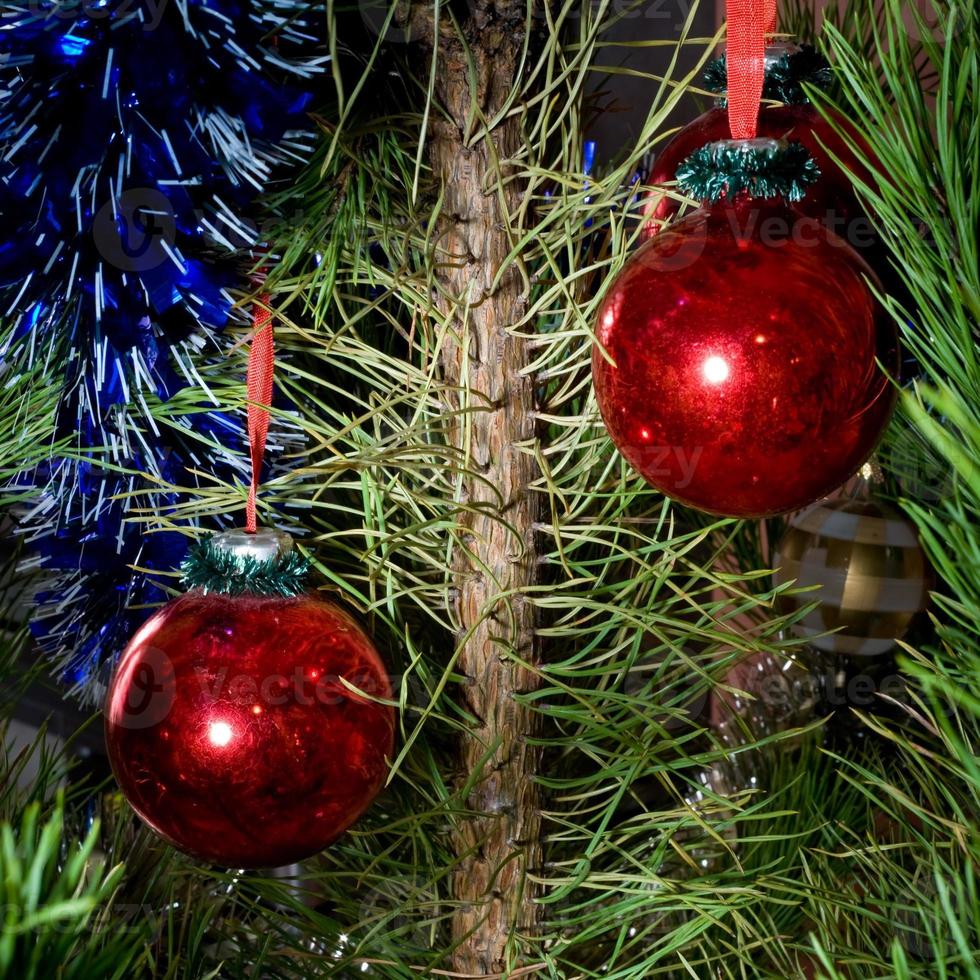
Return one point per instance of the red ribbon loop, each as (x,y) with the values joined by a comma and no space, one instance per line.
(746,57)
(771,16)
(261,368)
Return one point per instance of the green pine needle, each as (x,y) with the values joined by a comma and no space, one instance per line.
(729,168)
(786,78)
(215,570)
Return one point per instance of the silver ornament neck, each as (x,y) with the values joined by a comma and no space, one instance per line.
(780,49)
(756,144)
(266,544)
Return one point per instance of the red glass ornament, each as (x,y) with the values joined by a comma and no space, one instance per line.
(743,340)
(832,199)
(232,734)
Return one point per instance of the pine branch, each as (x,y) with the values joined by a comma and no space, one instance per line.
(50,902)
(627,620)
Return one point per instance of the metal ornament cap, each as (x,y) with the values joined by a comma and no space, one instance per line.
(237,562)
(776,50)
(265,544)
(757,144)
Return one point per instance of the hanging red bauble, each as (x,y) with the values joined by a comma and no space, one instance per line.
(243,728)
(831,199)
(741,375)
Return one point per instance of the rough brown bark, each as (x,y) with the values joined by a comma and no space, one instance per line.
(499,841)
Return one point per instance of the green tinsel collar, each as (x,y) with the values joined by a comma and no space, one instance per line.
(759,168)
(785,75)
(212,568)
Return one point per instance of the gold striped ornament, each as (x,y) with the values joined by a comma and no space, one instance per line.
(870,567)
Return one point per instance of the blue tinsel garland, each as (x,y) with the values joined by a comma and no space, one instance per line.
(135,136)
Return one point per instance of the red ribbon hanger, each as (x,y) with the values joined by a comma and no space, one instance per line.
(748,22)
(261,371)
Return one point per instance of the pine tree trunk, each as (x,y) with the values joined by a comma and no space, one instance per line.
(498,843)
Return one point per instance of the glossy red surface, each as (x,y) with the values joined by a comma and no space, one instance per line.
(831,199)
(232,735)
(744,341)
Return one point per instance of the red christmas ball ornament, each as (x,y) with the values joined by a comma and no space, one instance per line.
(736,359)
(831,198)
(243,728)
